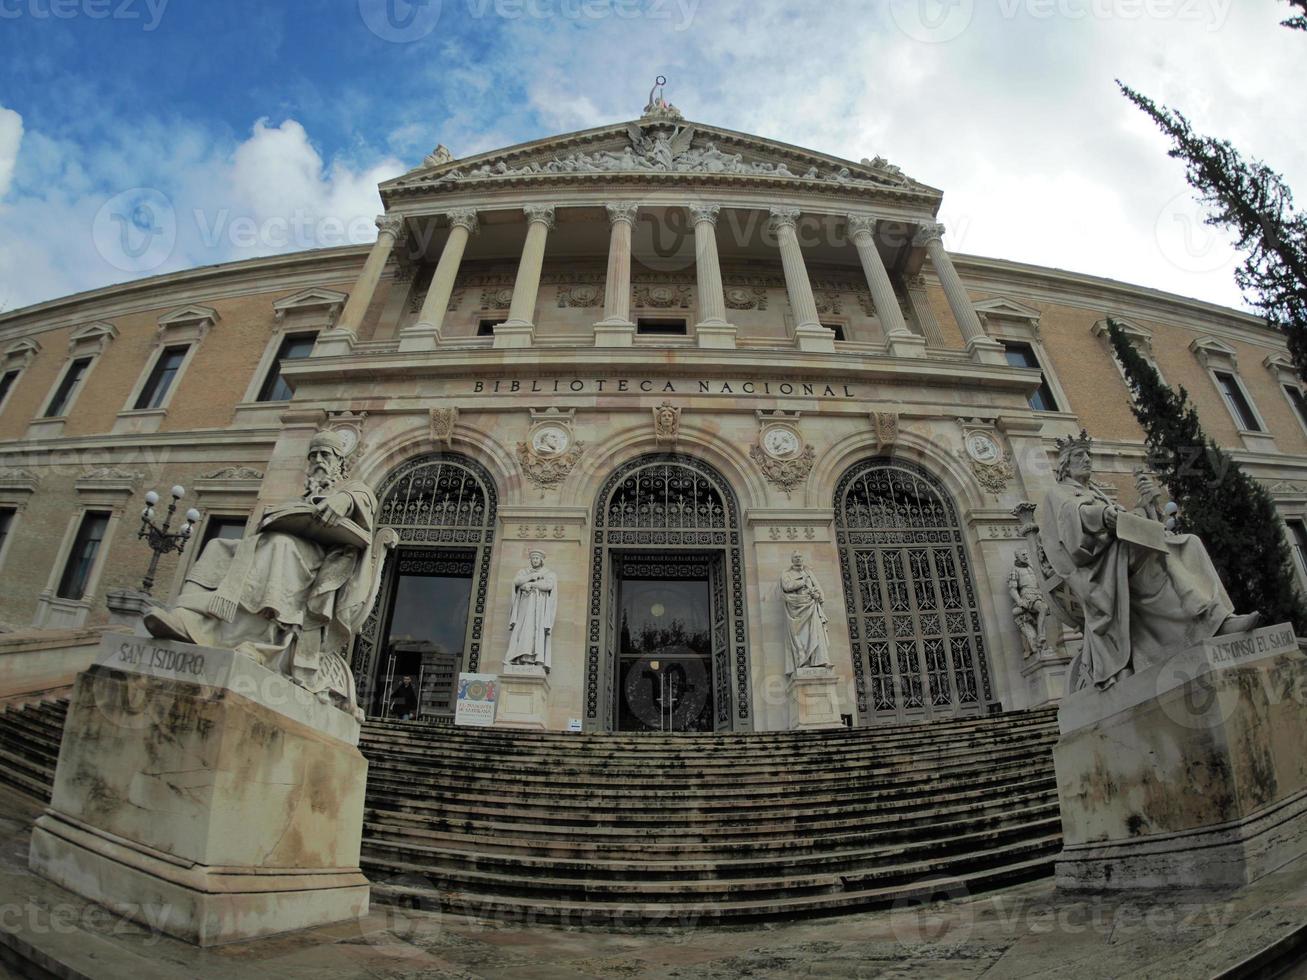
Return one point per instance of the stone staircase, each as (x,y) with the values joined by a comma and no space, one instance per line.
(29,746)
(679,830)
(706,829)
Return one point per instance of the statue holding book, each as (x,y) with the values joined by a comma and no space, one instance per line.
(292,594)
(1145,593)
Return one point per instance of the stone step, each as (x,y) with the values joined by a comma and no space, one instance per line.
(29,778)
(632,786)
(684,904)
(725,837)
(34,724)
(947,838)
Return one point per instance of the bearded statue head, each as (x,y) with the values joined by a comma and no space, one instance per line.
(326,463)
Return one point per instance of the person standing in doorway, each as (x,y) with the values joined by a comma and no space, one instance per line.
(404,699)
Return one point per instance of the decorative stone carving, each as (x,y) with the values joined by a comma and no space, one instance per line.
(235,473)
(1029,608)
(780,453)
(667,423)
(782,218)
(292,595)
(109,474)
(443,421)
(787,474)
(705,212)
(746,298)
(540,214)
(990,464)
(531,617)
(349,427)
(438,157)
(497,299)
(886,427)
(807,644)
(584,295)
(927,233)
(622,211)
(1140,594)
(551,449)
(463,218)
(390,224)
(662,297)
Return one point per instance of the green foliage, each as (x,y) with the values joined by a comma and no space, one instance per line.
(1298,23)
(1232,513)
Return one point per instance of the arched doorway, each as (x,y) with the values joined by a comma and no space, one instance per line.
(667,647)
(914,622)
(429,617)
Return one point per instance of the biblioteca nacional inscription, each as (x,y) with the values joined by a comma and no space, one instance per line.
(638,386)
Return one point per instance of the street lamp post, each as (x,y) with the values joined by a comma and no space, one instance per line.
(162,539)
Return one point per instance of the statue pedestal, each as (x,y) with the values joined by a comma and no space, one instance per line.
(523,698)
(813,694)
(205,796)
(1191,773)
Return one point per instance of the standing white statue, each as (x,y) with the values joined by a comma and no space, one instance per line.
(806,642)
(1147,594)
(531,620)
(1029,608)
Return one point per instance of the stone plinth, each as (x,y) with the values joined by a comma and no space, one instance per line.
(205,796)
(523,698)
(813,695)
(127,607)
(1192,773)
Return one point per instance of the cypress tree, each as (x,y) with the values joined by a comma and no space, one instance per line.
(1231,512)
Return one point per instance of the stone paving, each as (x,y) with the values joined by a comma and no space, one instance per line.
(1023,931)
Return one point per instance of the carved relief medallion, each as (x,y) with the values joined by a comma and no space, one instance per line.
(667,423)
(746,298)
(662,297)
(990,464)
(580,295)
(780,452)
(550,450)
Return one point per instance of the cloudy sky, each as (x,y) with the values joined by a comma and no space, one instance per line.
(245,127)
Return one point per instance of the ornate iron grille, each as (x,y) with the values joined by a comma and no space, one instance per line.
(914,623)
(434,501)
(668,501)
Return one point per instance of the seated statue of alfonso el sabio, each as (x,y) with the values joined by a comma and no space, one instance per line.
(1145,593)
(292,594)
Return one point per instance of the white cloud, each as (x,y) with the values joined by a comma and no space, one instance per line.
(11,138)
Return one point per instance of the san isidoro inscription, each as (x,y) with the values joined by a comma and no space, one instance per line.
(672,386)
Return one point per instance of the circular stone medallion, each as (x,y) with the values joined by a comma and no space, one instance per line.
(550,440)
(982,448)
(780,442)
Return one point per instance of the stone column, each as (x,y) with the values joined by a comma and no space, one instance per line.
(809,334)
(616,328)
(981,347)
(713,329)
(340,339)
(425,333)
(519,329)
(900,341)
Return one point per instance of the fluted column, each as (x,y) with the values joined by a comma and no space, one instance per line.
(899,340)
(340,338)
(809,334)
(982,347)
(712,330)
(616,328)
(519,329)
(425,333)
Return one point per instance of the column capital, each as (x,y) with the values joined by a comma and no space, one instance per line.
(540,214)
(390,224)
(783,217)
(463,218)
(622,211)
(704,212)
(862,226)
(927,233)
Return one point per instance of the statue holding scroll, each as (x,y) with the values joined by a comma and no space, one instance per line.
(806,641)
(1146,594)
(292,594)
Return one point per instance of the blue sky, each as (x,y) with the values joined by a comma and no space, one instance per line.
(260,127)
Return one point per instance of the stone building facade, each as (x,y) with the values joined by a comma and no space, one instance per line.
(666,355)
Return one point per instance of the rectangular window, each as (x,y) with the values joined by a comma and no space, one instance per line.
(293,347)
(1298,536)
(77,570)
(226,528)
(836,328)
(1296,398)
(1240,407)
(162,375)
(661,326)
(7,382)
(486,328)
(1023,356)
(63,395)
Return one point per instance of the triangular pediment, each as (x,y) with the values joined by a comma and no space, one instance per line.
(189,316)
(315,299)
(657,149)
(1002,308)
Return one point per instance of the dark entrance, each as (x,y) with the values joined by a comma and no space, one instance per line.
(665,642)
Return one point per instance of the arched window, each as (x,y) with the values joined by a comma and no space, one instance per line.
(914,622)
